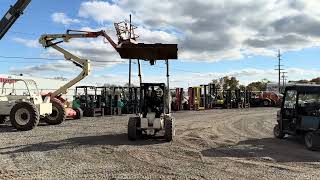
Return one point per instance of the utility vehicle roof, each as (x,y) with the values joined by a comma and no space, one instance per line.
(305,88)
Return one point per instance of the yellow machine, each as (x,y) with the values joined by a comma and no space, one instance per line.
(197,98)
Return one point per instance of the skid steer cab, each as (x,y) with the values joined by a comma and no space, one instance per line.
(153,116)
(300,115)
(21,102)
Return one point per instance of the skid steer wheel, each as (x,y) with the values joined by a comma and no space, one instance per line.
(169,130)
(3,119)
(277,132)
(133,132)
(79,114)
(310,141)
(24,116)
(58,114)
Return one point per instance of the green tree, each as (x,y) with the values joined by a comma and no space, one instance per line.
(316,80)
(242,87)
(227,83)
(258,86)
(303,81)
(217,83)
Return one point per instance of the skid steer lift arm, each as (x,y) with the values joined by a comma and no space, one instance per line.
(12,15)
(52,40)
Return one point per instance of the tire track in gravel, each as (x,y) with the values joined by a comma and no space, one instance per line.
(194,136)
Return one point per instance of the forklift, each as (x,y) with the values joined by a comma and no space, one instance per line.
(247,99)
(194,100)
(300,115)
(177,100)
(212,95)
(128,96)
(132,104)
(228,99)
(89,101)
(191,99)
(105,97)
(207,95)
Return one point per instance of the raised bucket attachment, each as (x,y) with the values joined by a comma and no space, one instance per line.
(148,52)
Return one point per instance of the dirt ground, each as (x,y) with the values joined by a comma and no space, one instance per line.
(215,144)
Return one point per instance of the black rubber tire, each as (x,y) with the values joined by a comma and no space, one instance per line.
(79,113)
(132,129)
(309,141)
(58,111)
(266,103)
(33,115)
(3,119)
(277,133)
(169,130)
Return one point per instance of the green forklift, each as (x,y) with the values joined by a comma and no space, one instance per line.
(86,98)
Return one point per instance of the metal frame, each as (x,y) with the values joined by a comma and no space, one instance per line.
(12,15)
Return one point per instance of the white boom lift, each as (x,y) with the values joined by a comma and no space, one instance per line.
(52,40)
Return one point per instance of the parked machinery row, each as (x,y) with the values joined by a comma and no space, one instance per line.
(208,97)
(99,101)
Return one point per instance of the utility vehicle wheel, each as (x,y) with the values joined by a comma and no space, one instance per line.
(169,130)
(58,114)
(79,113)
(266,103)
(24,116)
(132,128)
(309,140)
(3,119)
(277,132)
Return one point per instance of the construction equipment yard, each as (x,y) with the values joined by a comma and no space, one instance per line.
(188,92)
(212,144)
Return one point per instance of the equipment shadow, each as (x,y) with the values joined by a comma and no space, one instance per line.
(87,141)
(7,127)
(291,149)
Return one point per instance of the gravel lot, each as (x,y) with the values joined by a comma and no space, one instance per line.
(217,144)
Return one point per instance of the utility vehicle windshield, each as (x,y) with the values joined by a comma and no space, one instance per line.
(309,104)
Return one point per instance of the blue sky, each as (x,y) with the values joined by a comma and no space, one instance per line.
(210,58)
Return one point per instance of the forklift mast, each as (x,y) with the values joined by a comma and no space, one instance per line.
(12,15)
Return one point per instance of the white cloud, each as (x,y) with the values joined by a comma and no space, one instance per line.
(59,66)
(62,18)
(101,55)
(102,11)
(31,43)
(218,30)
(246,76)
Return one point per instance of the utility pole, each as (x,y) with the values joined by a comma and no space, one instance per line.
(279,70)
(130,61)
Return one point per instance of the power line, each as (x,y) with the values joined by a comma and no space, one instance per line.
(23,33)
(176,69)
(49,59)
(33,58)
